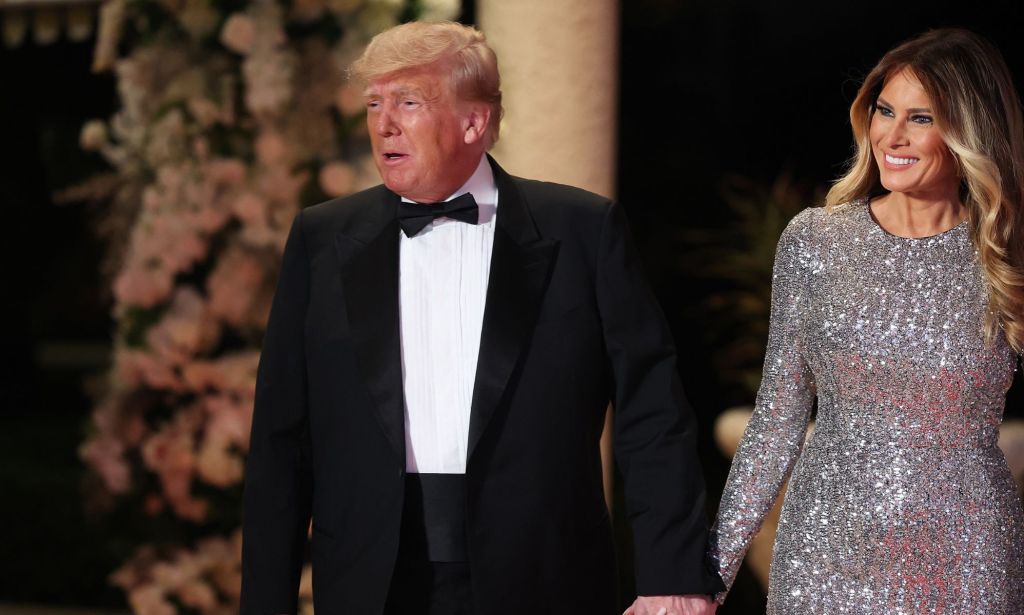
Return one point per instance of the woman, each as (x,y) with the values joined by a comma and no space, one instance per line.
(900,307)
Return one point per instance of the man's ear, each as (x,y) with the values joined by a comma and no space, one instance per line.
(475,123)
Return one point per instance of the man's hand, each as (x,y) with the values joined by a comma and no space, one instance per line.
(672,605)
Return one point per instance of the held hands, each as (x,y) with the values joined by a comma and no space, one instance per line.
(672,605)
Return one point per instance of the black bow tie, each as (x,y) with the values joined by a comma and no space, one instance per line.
(412,217)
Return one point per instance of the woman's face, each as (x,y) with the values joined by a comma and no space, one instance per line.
(907,144)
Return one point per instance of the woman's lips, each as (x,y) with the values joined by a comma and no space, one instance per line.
(899,163)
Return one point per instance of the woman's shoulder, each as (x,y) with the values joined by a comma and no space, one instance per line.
(819,222)
(811,234)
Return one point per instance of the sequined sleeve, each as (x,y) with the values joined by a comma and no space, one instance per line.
(773,438)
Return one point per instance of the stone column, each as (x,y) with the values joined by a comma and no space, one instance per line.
(559,68)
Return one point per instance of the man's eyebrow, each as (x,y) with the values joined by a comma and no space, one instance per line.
(409,91)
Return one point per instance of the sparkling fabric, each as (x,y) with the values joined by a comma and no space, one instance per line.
(900,501)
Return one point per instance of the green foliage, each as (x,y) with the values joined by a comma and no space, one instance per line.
(736,260)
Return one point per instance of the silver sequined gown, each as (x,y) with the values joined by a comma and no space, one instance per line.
(900,502)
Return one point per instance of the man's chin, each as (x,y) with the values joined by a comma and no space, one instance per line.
(394,184)
(409,190)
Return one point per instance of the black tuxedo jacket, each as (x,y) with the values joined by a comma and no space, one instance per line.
(569,324)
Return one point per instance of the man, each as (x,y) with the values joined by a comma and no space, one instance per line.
(435,372)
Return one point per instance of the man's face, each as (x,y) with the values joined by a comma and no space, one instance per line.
(426,143)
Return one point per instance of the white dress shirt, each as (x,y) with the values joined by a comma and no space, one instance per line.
(443,273)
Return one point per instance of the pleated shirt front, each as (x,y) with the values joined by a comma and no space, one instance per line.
(444,270)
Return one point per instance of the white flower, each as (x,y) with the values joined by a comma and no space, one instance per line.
(239,33)
(93,136)
(198,18)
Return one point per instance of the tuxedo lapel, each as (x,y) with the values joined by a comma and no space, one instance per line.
(369,256)
(521,264)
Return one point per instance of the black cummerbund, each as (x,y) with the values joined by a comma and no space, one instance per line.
(434,517)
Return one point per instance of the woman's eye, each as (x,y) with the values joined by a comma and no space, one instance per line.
(921,119)
(885,111)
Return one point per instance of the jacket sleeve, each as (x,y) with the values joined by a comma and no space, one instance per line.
(654,429)
(774,437)
(278,483)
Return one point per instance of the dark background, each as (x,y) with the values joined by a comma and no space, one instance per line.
(709,89)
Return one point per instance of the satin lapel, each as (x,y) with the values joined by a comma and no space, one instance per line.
(370,273)
(521,264)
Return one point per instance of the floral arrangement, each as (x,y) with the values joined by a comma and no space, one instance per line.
(233,115)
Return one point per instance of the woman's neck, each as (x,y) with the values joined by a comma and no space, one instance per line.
(909,215)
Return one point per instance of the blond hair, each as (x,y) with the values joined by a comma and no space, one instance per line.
(979,114)
(462,51)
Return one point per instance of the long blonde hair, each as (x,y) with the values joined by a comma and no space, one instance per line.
(979,113)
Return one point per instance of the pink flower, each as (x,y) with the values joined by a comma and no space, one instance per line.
(127,576)
(150,600)
(167,139)
(136,367)
(191,509)
(251,209)
(133,429)
(198,595)
(185,329)
(233,373)
(229,580)
(214,552)
(184,249)
(225,171)
(226,430)
(239,33)
(281,186)
(217,466)
(230,419)
(270,148)
(169,453)
(168,576)
(232,287)
(151,200)
(144,288)
(106,415)
(349,100)
(268,79)
(106,455)
(201,375)
(201,148)
(169,178)
(337,178)
(205,111)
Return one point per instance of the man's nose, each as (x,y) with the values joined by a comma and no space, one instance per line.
(385,124)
